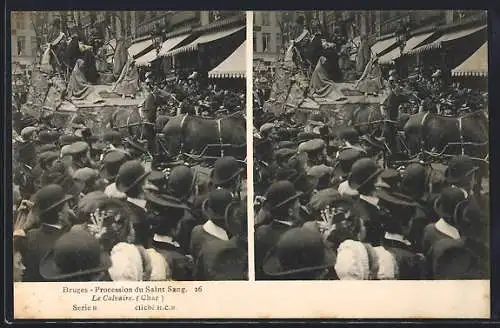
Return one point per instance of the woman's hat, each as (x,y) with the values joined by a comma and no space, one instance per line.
(299,250)
(447,201)
(76,253)
(225,170)
(280,193)
(363,171)
(130,174)
(50,197)
(214,207)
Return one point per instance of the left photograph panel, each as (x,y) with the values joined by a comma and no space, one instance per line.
(129,145)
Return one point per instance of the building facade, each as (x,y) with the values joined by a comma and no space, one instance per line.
(268,38)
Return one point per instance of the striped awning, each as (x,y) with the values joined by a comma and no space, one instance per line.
(233,66)
(446,38)
(138,47)
(383,45)
(146,59)
(206,38)
(413,42)
(475,65)
(171,43)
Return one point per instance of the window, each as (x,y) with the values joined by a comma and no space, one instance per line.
(278,42)
(265,18)
(34,46)
(21,45)
(266,40)
(20,24)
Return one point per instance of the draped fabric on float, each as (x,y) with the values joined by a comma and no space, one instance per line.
(120,58)
(128,82)
(78,86)
(321,84)
(371,79)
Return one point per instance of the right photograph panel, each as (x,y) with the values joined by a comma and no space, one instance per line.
(371,145)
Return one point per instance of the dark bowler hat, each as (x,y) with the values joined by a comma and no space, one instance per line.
(75,254)
(390,176)
(312,145)
(363,171)
(78,147)
(447,202)
(181,180)
(111,164)
(129,175)
(162,200)
(299,250)
(48,137)
(413,178)
(47,147)
(459,167)
(49,197)
(214,207)
(396,198)
(280,193)
(68,139)
(225,170)
(112,136)
(346,158)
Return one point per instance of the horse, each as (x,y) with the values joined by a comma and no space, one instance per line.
(466,135)
(191,134)
(368,120)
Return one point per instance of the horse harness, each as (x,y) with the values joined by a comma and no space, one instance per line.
(460,131)
(219,130)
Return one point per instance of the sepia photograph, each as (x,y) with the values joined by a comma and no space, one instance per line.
(371,145)
(129,146)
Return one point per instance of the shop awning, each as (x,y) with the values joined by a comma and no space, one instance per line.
(383,45)
(138,47)
(146,59)
(446,38)
(171,43)
(413,42)
(233,66)
(475,65)
(206,38)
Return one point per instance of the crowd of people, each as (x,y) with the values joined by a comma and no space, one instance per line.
(328,206)
(89,206)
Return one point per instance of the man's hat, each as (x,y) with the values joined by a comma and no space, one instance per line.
(285,153)
(130,174)
(319,171)
(266,127)
(287,144)
(312,145)
(75,254)
(363,171)
(162,200)
(28,131)
(47,156)
(447,202)
(111,164)
(85,174)
(280,193)
(307,136)
(78,147)
(225,170)
(214,207)
(390,176)
(181,180)
(345,159)
(324,197)
(348,133)
(47,147)
(413,178)
(459,167)
(112,136)
(286,174)
(49,197)
(299,250)
(396,198)
(48,137)
(67,139)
